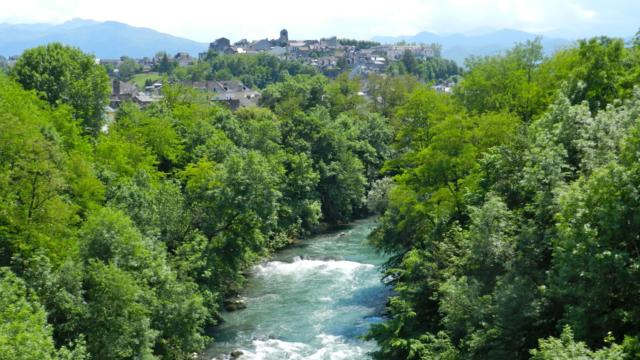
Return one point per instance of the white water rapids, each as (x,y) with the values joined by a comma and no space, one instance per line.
(313,301)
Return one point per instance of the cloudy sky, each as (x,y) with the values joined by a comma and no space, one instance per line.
(204,20)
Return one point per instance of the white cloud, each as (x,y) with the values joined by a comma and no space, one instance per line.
(206,20)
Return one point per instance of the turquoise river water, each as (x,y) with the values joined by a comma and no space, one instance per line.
(313,301)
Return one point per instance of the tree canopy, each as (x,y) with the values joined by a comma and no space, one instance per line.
(508,208)
(65,75)
(512,210)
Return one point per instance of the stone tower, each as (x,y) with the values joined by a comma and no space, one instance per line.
(284,37)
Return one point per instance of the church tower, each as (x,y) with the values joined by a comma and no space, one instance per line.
(284,37)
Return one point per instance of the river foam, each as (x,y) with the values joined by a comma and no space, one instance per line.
(302,267)
(329,348)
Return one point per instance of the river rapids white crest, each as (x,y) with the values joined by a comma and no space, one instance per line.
(313,301)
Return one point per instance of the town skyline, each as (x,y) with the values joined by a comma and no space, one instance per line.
(357,19)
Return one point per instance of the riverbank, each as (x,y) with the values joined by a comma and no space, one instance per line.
(313,300)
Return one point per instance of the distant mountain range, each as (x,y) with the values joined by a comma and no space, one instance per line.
(110,39)
(459,46)
(107,40)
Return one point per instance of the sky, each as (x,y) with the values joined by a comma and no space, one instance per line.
(204,20)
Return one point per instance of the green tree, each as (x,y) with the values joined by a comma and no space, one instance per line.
(593,253)
(566,347)
(127,68)
(594,78)
(118,321)
(65,75)
(165,65)
(409,61)
(4,65)
(24,332)
(513,82)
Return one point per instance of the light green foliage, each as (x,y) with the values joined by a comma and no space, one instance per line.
(513,82)
(131,237)
(24,332)
(378,196)
(566,348)
(118,158)
(64,75)
(299,93)
(414,120)
(39,167)
(595,78)
(597,214)
(389,92)
(342,95)
(152,131)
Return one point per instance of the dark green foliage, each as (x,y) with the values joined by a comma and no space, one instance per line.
(597,75)
(510,208)
(513,211)
(164,63)
(358,44)
(117,324)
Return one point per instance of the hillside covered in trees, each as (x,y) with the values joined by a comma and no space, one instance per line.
(122,244)
(509,208)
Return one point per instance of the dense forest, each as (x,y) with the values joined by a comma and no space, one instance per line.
(510,207)
(514,211)
(122,244)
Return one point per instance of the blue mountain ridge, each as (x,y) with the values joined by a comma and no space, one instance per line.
(108,39)
(460,46)
(111,39)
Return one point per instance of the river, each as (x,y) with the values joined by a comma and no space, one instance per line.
(313,300)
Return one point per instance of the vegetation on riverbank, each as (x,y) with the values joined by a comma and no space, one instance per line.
(122,244)
(513,214)
(510,207)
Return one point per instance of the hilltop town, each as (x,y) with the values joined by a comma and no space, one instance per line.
(330,56)
(325,54)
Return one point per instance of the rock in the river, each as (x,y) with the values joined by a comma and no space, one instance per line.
(236,354)
(234,304)
(217,319)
